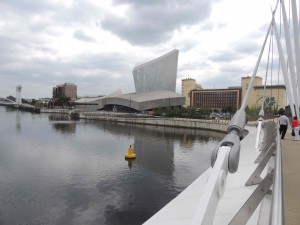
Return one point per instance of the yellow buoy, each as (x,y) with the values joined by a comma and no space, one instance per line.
(130,154)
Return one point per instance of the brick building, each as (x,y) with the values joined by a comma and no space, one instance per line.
(66,89)
(216,98)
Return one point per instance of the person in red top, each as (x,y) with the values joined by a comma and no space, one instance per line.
(295,126)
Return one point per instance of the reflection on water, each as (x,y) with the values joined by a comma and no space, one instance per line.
(130,162)
(18,121)
(62,123)
(58,171)
(65,128)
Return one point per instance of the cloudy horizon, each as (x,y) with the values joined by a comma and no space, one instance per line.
(96,44)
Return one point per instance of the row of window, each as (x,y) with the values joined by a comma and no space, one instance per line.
(215,99)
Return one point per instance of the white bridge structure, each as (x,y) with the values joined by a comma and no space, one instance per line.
(7,102)
(245,184)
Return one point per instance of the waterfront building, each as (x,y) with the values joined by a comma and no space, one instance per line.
(216,98)
(155,83)
(66,89)
(275,95)
(188,85)
(157,75)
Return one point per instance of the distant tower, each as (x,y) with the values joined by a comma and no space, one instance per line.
(18,95)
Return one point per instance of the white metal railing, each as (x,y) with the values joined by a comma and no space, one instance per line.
(214,190)
(277,209)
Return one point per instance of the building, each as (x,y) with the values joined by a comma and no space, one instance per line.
(188,85)
(232,97)
(155,84)
(275,95)
(216,98)
(157,75)
(67,89)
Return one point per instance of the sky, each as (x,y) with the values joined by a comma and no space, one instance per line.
(97,43)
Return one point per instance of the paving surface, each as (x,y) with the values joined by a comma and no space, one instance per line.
(291,179)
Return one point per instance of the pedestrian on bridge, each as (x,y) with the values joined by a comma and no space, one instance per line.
(295,126)
(283,123)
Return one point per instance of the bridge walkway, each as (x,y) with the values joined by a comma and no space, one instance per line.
(291,179)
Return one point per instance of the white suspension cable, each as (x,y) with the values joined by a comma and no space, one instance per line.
(284,69)
(297,50)
(290,58)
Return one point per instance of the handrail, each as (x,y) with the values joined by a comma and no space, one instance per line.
(277,210)
(213,191)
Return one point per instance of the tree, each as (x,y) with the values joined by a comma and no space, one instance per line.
(61,100)
(280,111)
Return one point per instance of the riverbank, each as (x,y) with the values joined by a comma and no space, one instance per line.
(158,121)
(220,125)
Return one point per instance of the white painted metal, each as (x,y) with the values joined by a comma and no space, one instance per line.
(277,217)
(297,48)
(284,69)
(181,210)
(290,58)
(213,191)
(259,125)
(245,101)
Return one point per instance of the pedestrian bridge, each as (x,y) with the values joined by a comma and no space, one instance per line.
(7,102)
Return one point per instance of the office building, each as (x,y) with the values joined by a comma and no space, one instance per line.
(216,98)
(67,89)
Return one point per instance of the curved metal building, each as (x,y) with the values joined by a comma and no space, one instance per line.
(155,84)
(158,74)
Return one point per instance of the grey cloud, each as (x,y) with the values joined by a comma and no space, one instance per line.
(41,16)
(93,73)
(232,71)
(155,22)
(82,36)
(185,45)
(27,7)
(194,66)
(225,56)
(222,80)
(80,12)
(209,26)
(247,47)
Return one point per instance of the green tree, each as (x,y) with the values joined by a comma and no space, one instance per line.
(280,111)
(61,100)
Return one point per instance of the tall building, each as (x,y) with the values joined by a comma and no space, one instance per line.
(157,75)
(188,85)
(66,89)
(216,98)
(275,95)
(155,84)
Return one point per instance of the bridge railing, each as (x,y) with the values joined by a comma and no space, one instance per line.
(215,186)
(277,209)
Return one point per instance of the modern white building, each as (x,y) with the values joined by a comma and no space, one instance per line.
(155,83)
(158,74)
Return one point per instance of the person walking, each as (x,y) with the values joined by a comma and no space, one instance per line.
(295,126)
(283,125)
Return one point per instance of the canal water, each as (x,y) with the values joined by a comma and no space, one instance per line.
(57,171)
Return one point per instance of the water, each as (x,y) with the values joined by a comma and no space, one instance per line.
(57,171)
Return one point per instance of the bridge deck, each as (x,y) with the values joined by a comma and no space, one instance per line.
(291,179)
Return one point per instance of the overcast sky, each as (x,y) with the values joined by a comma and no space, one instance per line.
(96,43)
